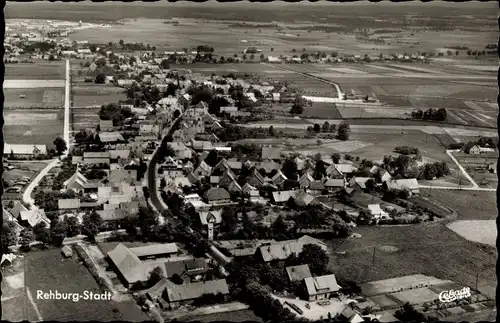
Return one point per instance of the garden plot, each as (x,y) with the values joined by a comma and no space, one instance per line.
(416,296)
(345,70)
(27,119)
(347,146)
(480,68)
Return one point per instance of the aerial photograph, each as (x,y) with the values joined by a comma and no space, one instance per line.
(262,162)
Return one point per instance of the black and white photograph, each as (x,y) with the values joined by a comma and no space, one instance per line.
(250,162)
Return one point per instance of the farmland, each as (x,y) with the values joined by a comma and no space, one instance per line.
(39,70)
(32,126)
(46,270)
(434,250)
(469,205)
(34,98)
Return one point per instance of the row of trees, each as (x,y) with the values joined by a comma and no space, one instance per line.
(343,129)
(430,114)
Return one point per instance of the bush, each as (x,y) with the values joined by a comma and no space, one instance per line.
(406,150)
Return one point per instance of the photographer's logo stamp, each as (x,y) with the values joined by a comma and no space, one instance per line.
(453,295)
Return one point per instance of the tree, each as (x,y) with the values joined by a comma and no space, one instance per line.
(228,220)
(155,275)
(315,257)
(147,219)
(262,57)
(272,49)
(298,105)
(336,158)
(319,170)
(409,314)
(370,185)
(317,128)
(26,238)
(42,233)
(441,114)
(9,235)
(344,131)
(73,227)
(91,225)
(58,231)
(271,131)
(212,158)
(290,168)
(252,56)
(202,94)
(164,64)
(325,127)
(121,42)
(100,78)
(60,145)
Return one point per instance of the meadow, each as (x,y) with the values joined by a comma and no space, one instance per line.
(46,270)
(430,249)
(34,98)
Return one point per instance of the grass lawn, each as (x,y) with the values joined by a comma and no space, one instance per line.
(29,169)
(321,110)
(18,309)
(429,249)
(469,205)
(33,127)
(47,270)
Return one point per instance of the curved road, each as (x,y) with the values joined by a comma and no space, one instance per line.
(55,162)
(151,172)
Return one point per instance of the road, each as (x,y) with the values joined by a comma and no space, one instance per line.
(339,91)
(67,93)
(55,162)
(151,173)
(31,186)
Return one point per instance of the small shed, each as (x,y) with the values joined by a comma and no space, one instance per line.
(67,252)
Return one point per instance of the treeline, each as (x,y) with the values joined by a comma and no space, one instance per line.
(430,114)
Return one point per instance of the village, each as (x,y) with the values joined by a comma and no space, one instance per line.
(179,206)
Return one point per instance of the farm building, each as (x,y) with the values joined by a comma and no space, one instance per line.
(24,150)
(129,268)
(298,273)
(409,184)
(478,150)
(164,250)
(377,212)
(281,250)
(187,269)
(77,182)
(34,217)
(177,295)
(321,287)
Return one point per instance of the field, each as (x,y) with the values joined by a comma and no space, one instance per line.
(469,205)
(236,316)
(34,98)
(481,231)
(433,250)
(40,70)
(32,126)
(46,270)
(95,94)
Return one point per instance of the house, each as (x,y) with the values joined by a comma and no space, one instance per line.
(334,184)
(76,183)
(177,295)
(187,269)
(33,217)
(153,251)
(24,151)
(68,204)
(410,184)
(109,137)
(304,199)
(67,252)
(202,170)
(213,216)
(359,182)
(321,287)
(377,212)
(280,197)
(305,180)
(268,165)
(279,178)
(298,273)
(116,154)
(346,169)
(478,150)
(316,188)
(281,250)
(271,153)
(217,195)
(349,315)
(333,172)
(234,187)
(127,265)
(17,209)
(181,151)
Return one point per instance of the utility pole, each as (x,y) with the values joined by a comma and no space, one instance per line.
(373,261)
